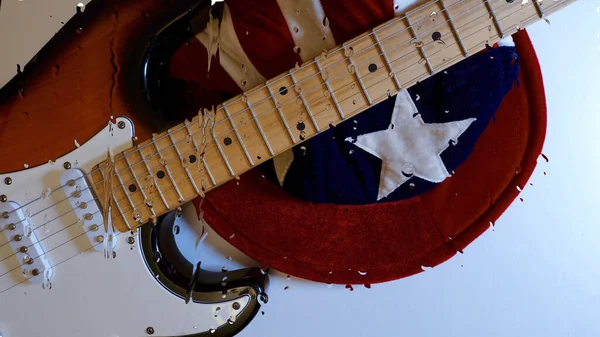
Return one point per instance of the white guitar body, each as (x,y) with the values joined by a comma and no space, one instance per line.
(85,294)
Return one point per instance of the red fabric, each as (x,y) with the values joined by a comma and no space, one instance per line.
(347,19)
(332,243)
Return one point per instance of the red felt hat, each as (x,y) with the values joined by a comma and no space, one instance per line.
(381,242)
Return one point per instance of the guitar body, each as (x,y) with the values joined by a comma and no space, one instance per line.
(82,96)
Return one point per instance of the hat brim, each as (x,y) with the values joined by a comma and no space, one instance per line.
(382,242)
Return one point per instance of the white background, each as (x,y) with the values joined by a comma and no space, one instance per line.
(536,274)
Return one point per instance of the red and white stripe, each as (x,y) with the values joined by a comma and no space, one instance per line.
(255,39)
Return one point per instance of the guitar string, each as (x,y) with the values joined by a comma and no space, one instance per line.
(47,221)
(135,206)
(42,240)
(54,265)
(528,19)
(230,130)
(374,31)
(285,102)
(321,98)
(285,115)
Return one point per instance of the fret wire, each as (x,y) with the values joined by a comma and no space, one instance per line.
(359,79)
(493,14)
(260,129)
(539,9)
(140,188)
(454,30)
(326,80)
(526,21)
(304,102)
(237,135)
(118,206)
(160,194)
(185,167)
(280,112)
(180,197)
(212,179)
(124,189)
(420,49)
(398,19)
(365,36)
(387,61)
(407,41)
(216,141)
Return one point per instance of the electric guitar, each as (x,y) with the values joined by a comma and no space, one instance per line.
(89,194)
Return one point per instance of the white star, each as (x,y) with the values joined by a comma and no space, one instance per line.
(410,145)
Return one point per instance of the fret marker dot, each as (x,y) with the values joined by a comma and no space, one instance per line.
(132,188)
(436,36)
(372,67)
(160,174)
(227,141)
(192,159)
(283,91)
(300,126)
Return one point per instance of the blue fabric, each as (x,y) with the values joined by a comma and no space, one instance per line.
(328,173)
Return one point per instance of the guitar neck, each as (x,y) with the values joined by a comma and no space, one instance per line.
(197,156)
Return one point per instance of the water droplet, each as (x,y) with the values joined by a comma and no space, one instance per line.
(231,320)
(408,170)
(350,68)
(27,230)
(212,330)
(217,311)
(229,258)
(46,193)
(326,93)
(195,327)
(545,157)
(25,258)
(296,29)
(137,215)
(417,98)
(348,51)
(349,286)
(411,186)
(363,273)
(244,98)
(325,22)
(297,50)
(330,285)
(298,100)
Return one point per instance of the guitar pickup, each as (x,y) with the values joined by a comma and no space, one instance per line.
(20,235)
(85,206)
